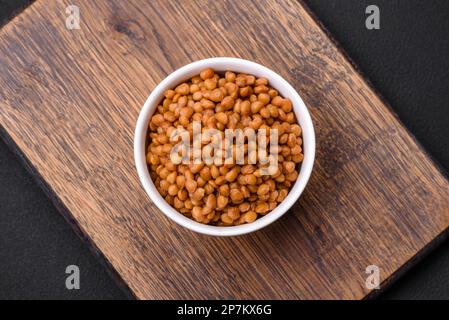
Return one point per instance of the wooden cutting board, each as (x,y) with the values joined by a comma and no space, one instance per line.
(70,99)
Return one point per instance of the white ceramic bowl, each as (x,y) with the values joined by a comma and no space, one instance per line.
(236,65)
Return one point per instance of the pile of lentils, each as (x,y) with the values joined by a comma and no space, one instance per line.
(226,194)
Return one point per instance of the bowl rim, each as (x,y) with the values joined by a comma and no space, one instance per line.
(223,64)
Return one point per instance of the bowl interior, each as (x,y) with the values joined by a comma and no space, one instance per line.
(221,65)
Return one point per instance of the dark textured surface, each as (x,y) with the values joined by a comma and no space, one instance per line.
(9,8)
(406,61)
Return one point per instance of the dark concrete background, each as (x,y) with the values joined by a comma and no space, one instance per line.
(406,60)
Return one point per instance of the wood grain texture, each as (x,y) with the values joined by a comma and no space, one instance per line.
(70,100)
